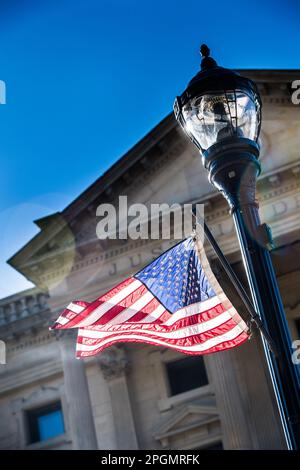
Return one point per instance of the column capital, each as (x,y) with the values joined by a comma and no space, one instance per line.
(113,362)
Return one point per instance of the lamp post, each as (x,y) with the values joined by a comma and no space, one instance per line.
(220,111)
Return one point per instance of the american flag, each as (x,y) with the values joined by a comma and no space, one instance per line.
(174,302)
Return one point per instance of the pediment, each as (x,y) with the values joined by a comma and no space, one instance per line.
(186,418)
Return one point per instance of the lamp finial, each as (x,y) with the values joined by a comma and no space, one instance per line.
(204,50)
(206,62)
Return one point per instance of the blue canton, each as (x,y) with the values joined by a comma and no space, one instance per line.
(176,278)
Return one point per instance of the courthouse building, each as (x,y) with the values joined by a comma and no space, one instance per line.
(137,396)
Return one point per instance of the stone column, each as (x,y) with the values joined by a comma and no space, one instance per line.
(77,397)
(248,411)
(234,422)
(244,395)
(114,366)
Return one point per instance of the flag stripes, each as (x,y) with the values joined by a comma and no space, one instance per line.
(134,312)
(227,340)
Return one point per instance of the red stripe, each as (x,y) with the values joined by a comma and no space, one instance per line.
(101,300)
(163,318)
(123,305)
(70,315)
(242,338)
(197,338)
(195,319)
(146,310)
(82,303)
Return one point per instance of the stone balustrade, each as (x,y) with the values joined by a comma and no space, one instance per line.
(22,305)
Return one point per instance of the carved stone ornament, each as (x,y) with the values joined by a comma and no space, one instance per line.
(113,362)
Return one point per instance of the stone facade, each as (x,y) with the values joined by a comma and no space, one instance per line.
(121,399)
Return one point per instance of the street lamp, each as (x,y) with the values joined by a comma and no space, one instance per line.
(220,111)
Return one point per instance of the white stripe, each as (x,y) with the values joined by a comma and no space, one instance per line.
(75,308)
(157,312)
(129,312)
(210,343)
(190,330)
(193,309)
(63,320)
(107,305)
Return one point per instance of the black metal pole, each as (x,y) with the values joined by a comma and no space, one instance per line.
(234,173)
(253,315)
(266,298)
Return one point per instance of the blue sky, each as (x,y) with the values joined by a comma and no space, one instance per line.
(86,79)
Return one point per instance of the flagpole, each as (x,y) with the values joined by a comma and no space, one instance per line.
(254,317)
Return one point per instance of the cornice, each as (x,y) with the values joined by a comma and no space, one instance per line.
(17,378)
(41,336)
(270,188)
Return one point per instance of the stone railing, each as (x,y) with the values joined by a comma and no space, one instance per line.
(22,305)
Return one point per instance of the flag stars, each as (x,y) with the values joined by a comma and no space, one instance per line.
(175,277)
